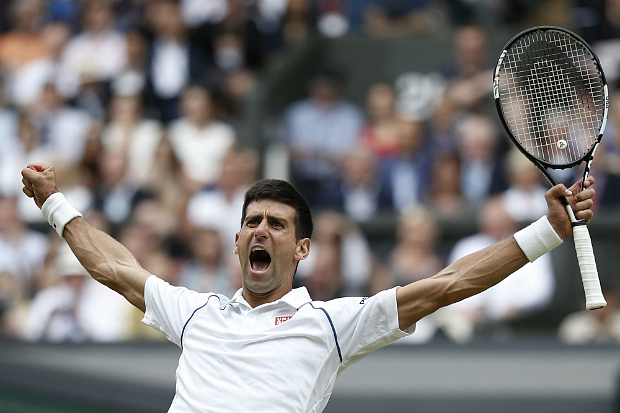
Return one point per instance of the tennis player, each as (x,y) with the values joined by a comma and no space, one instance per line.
(270,348)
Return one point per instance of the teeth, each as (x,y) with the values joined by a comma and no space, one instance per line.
(258,249)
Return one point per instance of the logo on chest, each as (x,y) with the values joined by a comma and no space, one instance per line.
(280,320)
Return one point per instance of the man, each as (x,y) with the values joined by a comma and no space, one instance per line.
(237,352)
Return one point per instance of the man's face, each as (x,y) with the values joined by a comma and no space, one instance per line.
(268,251)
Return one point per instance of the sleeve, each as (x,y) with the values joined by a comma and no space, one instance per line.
(363,325)
(168,308)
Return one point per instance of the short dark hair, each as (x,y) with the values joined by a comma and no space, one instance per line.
(282,191)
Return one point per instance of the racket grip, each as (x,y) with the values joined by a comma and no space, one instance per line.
(587,266)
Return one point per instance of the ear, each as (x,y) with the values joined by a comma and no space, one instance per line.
(303,249)
(236,249)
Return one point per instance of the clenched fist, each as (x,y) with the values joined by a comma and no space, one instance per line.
(39,181)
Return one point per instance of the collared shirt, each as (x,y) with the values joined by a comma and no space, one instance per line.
(283,356)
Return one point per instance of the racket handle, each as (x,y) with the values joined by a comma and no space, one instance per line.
(587,265)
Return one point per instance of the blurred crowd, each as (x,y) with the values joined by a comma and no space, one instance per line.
(138,103)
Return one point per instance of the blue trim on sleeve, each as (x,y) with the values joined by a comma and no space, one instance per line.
(190,317)
(331,324)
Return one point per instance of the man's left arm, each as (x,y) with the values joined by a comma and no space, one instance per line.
(483,269)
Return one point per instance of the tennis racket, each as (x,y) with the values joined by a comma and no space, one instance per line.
(551,96)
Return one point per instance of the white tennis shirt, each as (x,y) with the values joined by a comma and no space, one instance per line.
(282,356)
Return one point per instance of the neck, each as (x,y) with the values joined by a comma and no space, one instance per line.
(256,299)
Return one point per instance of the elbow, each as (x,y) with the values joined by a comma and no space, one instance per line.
(426,296)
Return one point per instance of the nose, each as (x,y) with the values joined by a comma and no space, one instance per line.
(261,230)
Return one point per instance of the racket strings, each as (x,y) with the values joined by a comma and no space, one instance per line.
(550,86)
(553,87)
(552,96)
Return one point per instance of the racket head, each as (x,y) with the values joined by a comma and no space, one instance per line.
(551,96)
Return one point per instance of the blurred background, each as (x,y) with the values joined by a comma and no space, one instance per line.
(160,114)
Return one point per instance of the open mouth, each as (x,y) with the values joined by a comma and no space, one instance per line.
(259,260)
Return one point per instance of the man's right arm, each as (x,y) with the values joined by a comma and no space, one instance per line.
(107,261)
(104,258)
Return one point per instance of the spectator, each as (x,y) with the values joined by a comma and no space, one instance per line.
(28,82)
(198,139)
(297,23)
(75,309)
(9,131)
(382,135)
(97,54)
(208,270)
(333,18)
(197,12)
(22,250)
(25,43)
(407,175)
(361,194)
(320,130)
(130,135)
(29,149)
(607,162)
(166,180)
(65,11)
(9,122)
(175,59)
(442,133)
(12,305)
(530,289)
(156,224)
(238,48)
(132,80)
(597,20)
(398,18)
(219,206)
(236,89)
(525,197)
(325,280)
(601,326)
(337,240)
(468,76)
(415,257)
(63,128)
(116,196)
(446,198)
(236,42)
(481,168)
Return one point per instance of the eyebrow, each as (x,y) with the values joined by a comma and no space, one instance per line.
(269,218)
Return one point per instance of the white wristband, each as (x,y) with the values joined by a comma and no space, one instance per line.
(58,212)
(537,239)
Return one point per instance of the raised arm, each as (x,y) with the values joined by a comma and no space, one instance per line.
(483,269)
(104,258)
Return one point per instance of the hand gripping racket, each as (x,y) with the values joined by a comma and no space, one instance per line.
(551,96)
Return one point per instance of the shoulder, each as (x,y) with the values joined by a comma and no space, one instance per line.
(334,304)
(158,290)
(348,305)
